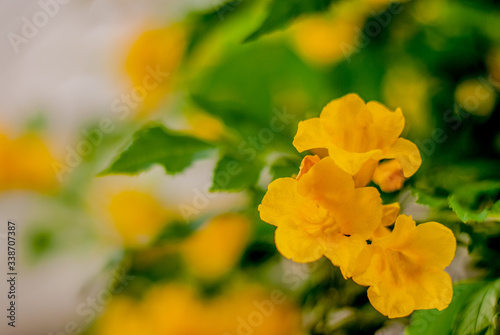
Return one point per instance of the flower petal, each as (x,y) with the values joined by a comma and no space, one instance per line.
(326,183)
(343,251)
(387,125)
(361,214)
(296,244)
(351,162)
(406,152)
(310,135)
(280,201)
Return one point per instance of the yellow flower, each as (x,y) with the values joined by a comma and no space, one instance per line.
(204,125)
(325,40)
(358,136)
(322,213)
(124,316)
(214,249)
(405,269)
(137,216)
(153,61)
(389,176)
(26,164)
(476,97)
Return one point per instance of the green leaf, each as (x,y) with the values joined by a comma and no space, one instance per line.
(285,167)
(478,314)
(432,200)
(475,201)
(434,322)
(282,13)
(233,114)
(154,144)
(234,173)
(472,311)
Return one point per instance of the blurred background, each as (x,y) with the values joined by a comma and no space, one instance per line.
(110,246)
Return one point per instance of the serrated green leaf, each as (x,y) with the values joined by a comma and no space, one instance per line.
(431,200)
(234,173)
(464,213)
(475,201)
(282,13)
(285,167)
(154,144)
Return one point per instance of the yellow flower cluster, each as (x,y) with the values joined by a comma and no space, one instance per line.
(328,210)
(175,309)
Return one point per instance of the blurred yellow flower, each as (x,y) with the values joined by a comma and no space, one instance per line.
(321,214)
(153,61)
(124,316)
(326,40)
(137,216)
(213,250)
(26,164)
(476,97)
(405,269)
(176,309)
(408,86)
(358,136)
(205,126)
(389,176)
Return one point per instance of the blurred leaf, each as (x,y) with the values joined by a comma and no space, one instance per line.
(233,114)
(476,201)
(285,167)
(235,173)
(174,232)
(154,144)
(282,13)
(204,23)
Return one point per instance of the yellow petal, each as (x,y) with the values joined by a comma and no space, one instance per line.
(280,201)
(310,135)
(296,244)
(343,251)
(391,301)
(351,162)
(361,214)
(306,164)
(326,183)
(407,154)
(365,173)
(387,125)
(390,213)
(346,122)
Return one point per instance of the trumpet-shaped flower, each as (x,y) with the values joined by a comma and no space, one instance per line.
(357,136)
(322,214)
(405,269)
